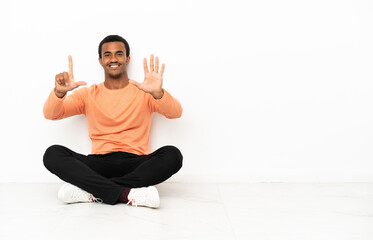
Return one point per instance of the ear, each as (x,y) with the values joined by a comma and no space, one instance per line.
(128,60)
(99,59)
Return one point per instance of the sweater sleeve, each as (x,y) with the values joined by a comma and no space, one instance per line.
(56,108)
(168,106)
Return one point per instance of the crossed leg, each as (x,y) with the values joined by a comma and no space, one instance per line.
(106,175)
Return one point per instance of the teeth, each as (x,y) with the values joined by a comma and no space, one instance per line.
(114,66)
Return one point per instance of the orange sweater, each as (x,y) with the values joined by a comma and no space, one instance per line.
(118,119)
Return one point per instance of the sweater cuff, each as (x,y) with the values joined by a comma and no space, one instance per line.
(57,98)
(163,99)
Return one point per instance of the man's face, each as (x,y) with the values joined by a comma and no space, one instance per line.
(114,60)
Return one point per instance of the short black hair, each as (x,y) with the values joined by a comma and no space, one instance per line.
(113,38)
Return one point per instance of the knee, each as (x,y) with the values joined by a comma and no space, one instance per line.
(50,156)
(175,156)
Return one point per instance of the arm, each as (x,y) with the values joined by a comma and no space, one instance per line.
(168,106)
(56,107)
(159,99)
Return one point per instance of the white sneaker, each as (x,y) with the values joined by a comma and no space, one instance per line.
(145,196)
(71,194)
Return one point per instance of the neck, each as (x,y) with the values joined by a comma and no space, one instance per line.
(116,82)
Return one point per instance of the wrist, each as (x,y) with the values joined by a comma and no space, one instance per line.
(158,95)
(59,94)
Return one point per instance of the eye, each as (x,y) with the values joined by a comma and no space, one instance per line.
(120,54)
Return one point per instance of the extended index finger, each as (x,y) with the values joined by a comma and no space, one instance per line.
(70,65)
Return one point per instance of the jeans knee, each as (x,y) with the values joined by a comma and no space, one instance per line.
(49,158)
(176,156)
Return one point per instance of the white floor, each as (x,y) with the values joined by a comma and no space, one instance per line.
(196,211)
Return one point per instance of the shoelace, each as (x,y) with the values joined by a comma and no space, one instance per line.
(131,202)
(94,199)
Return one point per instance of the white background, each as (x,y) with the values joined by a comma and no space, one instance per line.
(271,90)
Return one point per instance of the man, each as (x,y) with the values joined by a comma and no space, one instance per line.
(119,113)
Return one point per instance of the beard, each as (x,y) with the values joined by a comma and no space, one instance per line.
(115,75)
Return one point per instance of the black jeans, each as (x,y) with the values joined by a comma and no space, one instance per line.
(106,175)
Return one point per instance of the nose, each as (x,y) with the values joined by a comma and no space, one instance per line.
(113,58)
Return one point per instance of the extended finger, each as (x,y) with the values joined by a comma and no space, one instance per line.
(151,62)
(70,66)
(80,83)
(162,69)
(146,70)
(156,64)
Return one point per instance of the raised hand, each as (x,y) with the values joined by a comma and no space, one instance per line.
(65,81)
(153,78)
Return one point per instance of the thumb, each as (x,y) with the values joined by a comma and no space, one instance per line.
(134,83)
(80,83)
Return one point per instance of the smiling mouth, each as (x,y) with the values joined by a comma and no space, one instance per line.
(114,66)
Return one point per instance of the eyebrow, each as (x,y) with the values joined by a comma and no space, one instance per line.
(120,51)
